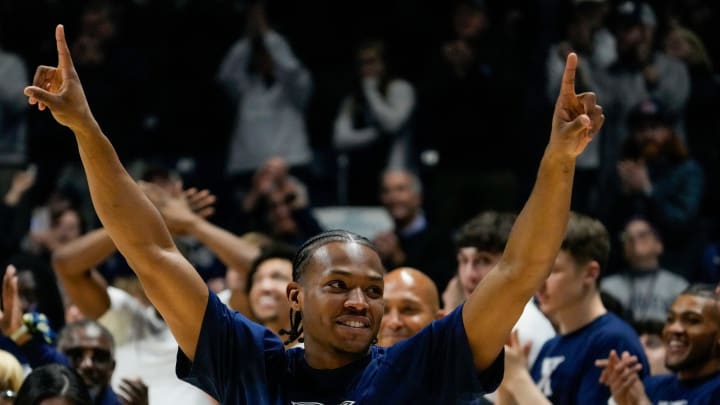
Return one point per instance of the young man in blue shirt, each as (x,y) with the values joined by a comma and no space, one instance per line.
(564,371)
(336,295)
(692,341)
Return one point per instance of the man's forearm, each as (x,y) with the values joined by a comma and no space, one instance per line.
(84,253)
(232,250)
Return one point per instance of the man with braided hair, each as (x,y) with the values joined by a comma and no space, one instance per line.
(337,286)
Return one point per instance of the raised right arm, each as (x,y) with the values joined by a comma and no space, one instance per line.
(133,223)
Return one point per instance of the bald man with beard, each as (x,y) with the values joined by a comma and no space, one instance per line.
(411,303)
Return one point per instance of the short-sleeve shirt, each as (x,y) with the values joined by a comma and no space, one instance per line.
(240,362)
(565,369)
(667,389)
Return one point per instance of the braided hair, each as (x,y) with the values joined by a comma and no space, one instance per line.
(301,258)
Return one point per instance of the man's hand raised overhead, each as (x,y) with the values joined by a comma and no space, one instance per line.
(59,88)
(577,117)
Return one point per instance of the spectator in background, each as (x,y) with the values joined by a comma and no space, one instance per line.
(374,126)
(658,179)
(13,118)
(271,88)
(56,383)
(479,246)
(278,205)
(691,340)
(85,346)
(414,241)
(641,72)
(263,298)
(411,303)
(564,372)
(587,35)
(701,120)
(644,289)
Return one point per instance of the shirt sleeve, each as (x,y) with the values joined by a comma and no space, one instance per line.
(231,356)
(439,361)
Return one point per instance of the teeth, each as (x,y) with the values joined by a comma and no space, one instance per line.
(353,324)
(266,300)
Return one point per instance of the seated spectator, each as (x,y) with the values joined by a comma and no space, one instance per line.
(411,303)
(564,371)
(414,241)
(53,384)
(645,289)
(691,342)
(374,126)
(658,179)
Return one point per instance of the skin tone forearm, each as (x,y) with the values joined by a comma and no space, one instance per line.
(74,263)
(131,220)
(539,229)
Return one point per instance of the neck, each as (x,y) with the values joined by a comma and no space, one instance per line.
(586,310)
(646,265)
(321,357)
(711,367)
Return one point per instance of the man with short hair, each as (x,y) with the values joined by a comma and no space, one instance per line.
(415,241)
(479,244)
(411,303)
(564,371)
(692,341)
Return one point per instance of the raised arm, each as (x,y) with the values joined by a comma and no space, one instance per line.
(133,223)
(74,263)
(539,229)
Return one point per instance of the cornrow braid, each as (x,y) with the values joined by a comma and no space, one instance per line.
(311,245)
(296,328)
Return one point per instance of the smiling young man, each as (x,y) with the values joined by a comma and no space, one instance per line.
(692,340)
(337,289)
(564,371)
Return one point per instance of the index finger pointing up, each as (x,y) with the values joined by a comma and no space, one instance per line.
(64,59)
(568,80)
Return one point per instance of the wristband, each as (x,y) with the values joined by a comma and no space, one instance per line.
(23,329)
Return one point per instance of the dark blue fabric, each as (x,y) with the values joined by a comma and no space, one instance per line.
(565,368)
(240,362)
(668,389)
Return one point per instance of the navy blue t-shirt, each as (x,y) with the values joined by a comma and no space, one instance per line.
(667,389)
(240,362)
(565,368)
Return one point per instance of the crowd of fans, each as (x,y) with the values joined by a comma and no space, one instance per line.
(241,118)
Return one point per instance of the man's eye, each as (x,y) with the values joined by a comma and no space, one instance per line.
(375,292)
(336,284)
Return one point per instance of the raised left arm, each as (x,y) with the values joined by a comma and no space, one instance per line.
(538,232)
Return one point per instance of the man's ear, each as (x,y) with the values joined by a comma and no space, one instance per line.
(592,271)
(294,295)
